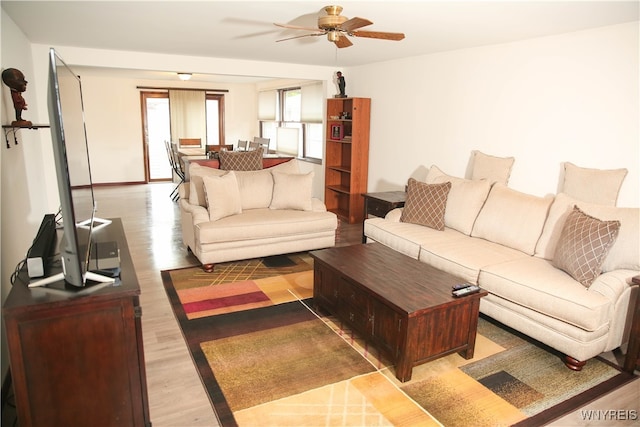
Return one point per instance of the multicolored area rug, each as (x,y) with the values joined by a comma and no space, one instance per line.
(267,358)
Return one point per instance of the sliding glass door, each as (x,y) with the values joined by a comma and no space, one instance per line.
(156,119)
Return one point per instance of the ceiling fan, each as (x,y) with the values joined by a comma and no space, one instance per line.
(337,27)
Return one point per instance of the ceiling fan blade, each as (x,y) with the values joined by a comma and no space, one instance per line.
(354,24)
(378,35)
(343,41)
(295,27)
(299,37)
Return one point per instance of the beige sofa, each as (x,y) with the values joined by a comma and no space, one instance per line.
(232,215)
(515,246)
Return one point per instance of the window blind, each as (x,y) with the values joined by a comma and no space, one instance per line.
(267,103)
(287,140)
(312,103)
(188,117)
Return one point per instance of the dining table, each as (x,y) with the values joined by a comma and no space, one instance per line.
(268,160)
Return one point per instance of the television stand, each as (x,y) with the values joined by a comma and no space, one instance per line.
(98,223)
(60,341)
(60,276)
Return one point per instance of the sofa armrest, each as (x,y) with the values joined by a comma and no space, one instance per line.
(198,213)
(618,287)
(183,190)
(394,215)
(318,205)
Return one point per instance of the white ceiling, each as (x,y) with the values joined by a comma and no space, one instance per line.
(245,30)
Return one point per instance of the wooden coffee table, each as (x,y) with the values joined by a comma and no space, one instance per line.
(400,305)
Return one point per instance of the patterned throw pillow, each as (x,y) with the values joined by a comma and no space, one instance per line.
(241,160)
(425,204)
(584,243)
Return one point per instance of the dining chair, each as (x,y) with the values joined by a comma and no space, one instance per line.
(243,145)
(176,166)
(190,142)
(262,142)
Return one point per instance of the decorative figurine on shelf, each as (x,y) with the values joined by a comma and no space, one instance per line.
(15,80)
(341,85)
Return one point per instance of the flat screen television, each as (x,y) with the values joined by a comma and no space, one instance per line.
(73,171)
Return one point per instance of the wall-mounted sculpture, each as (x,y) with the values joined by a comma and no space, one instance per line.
(14,78)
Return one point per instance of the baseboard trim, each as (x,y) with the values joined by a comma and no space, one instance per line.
(114,184)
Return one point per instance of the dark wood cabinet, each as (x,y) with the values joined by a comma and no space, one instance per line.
(347,156)
(380,204)
(77,355)
(353,303)
(325,283)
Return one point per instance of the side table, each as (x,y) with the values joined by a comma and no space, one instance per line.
(632,359)
(379,204)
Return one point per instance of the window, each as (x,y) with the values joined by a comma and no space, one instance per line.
(293,108)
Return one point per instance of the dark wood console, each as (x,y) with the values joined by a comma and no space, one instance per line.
(76,355)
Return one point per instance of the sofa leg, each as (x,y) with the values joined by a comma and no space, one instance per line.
(208,268)
(573,364)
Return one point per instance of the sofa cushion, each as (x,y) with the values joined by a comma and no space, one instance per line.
(255,224)
(426,204)
(512,218)
(625,252)
(464,256)
(403,237)
(583,245)
(465,199)
(241,160)
(599,186)
(562,336)
(223,197)
(536,284)
(292,191)
(256,188)
(290,166)
(251,197)
(491,168)
(196,185)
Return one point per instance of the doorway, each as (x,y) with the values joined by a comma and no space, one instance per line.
(156,131)
(156,120)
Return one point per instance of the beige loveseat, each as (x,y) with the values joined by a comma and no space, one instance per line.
(232,215)
(521,249)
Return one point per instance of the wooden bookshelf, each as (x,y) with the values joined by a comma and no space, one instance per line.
(347,156)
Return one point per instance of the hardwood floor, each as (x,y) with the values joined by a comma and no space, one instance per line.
(177,398)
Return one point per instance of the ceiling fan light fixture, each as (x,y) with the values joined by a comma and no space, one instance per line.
(184,76)
(338,27)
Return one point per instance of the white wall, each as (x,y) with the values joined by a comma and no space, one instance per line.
(112,103)
(114,123)
(544,101)
(23,200)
